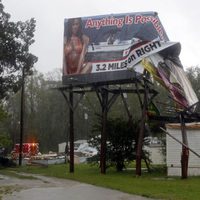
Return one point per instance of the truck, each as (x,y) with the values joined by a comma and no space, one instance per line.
(28,150)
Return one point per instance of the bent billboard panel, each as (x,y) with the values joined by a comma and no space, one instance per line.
(101,49)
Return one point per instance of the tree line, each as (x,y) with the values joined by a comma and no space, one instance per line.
(46,112)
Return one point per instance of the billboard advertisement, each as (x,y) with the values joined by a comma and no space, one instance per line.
(102,49)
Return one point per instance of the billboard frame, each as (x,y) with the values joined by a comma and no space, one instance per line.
(102,92)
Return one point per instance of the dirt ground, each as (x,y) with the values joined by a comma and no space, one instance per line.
(46,188)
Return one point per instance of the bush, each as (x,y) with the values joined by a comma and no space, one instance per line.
(121,142)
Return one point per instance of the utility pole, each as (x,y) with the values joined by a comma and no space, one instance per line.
(21,119)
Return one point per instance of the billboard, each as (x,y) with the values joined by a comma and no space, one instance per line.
(102,49)
(170,75)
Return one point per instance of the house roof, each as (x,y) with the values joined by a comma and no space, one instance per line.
(193,125)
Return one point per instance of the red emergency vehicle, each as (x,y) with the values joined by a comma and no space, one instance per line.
(28,150)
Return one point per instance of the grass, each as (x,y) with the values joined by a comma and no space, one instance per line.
(154,185)
(8,190)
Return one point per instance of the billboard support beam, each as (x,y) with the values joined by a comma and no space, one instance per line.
(72,109)
(71,133)
(185,150)
(104,94)
(141,132)
(106,103)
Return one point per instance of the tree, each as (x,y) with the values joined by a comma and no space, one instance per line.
(45,113)
(3,114)
(15,40)
(193,74)
(121,142)
(5,140)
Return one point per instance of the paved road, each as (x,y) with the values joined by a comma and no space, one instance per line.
(45,188)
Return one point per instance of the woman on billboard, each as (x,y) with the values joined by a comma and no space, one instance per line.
(75,49)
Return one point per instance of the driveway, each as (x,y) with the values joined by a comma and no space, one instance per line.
(46,188)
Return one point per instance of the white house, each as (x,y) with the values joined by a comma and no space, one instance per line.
(174,149)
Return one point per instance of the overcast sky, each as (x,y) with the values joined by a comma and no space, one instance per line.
(180,19)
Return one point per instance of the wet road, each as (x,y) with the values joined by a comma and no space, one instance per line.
(46,188)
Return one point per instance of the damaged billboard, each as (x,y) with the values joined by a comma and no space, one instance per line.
(117,48)
(96,48)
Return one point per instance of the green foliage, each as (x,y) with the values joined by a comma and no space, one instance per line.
(121,142)
(5,141)
(193,74)
(45,113)
(3,114)
(121,137)
(15,40)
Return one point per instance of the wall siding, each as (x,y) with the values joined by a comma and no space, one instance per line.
(174,150)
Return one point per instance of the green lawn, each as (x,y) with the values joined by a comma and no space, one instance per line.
(154,185)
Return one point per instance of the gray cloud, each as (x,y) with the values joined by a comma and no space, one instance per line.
(178,17)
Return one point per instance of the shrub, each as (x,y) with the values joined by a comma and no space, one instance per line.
(121,142)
